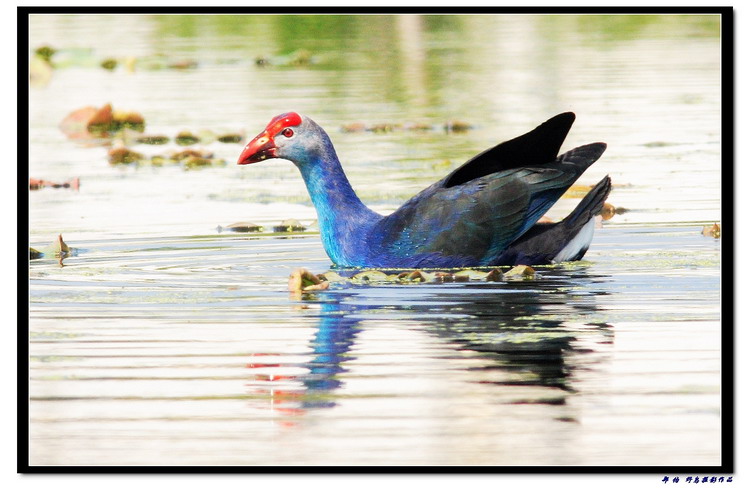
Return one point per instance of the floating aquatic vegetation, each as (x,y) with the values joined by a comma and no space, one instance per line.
(371,276)
(183,64)
(520,272)
(123,155)
(301,57)
(109,64)
(303,281)
(375,276)
(58,249)
(190,153)
(186,138)
(194,162)
(240,227)
(609,211)
(45,53)
(91,122)
(189,159)
(195,159)
(457,126)
(386,127)
(230,138)
(712,231)
(37,184)
(152,139)
(289,225)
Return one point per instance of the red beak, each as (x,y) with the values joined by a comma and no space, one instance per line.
(259,149)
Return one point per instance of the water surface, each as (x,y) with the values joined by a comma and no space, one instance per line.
(164,341)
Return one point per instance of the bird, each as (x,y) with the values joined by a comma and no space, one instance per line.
(484,213)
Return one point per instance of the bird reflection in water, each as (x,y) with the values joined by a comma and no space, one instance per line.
(535,333)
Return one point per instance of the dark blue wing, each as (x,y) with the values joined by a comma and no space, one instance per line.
(478,219)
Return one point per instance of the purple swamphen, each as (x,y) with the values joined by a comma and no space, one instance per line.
(484,213)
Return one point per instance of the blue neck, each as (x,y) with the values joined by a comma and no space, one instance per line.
(343,219)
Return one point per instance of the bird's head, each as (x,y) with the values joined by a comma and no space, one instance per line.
(288,136)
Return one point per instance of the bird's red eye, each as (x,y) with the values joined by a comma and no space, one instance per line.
(287,132)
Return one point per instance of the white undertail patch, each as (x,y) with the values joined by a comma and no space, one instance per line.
(581,241)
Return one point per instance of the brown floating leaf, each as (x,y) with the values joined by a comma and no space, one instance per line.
(60,246)
(712,231)
(303,281)
(101,121)
(183,64)
(608,211)
(494,275)
(75,124)
(416,275)
(37,184)
(457,126)
(520,271)
(443,277)
(91,122)
(123,155)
